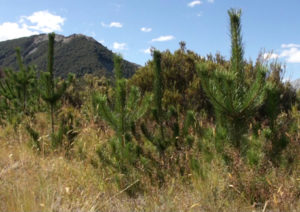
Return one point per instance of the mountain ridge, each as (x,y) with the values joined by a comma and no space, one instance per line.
(77,53)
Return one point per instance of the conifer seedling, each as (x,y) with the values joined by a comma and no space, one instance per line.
(234,100)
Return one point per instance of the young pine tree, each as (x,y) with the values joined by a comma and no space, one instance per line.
(234,100)
(128,107)
(52,91)
(123,151)
(168,132)
(18,88)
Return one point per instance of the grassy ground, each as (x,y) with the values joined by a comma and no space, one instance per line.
(75,181)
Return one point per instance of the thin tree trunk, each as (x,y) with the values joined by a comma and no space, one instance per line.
(52,118)
(24,103)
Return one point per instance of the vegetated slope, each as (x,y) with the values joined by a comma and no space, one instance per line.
(296,84)
(76,54)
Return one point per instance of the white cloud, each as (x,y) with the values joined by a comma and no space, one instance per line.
(145,29)
(163,38)
(112,24)
(194,3)
(147,51)
(119,46)
(288,52)
(292,55)
(270,56)
(210,1)
(115,24)
(10,30)
(44,21)
(38,22)
(290,45)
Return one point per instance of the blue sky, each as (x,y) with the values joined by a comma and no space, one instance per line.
(131,27)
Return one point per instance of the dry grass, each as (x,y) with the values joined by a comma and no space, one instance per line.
(70,181)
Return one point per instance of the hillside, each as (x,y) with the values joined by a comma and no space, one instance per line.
(76,54)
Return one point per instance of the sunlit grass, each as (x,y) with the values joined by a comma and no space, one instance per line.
(56,180)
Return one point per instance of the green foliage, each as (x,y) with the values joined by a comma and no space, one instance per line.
(255,153)
(156,138)
(67,131)
(172,133)
(234,100)
(18,90)
(276,138)
(182,86)
(158,94)
(73,94)
(279,96)
(127,109)
(51,93)
(279,100)
(122,152)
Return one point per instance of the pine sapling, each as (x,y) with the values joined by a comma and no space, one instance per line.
(126,109)
(18,88)
(170,131)
(51,92)
(234,100)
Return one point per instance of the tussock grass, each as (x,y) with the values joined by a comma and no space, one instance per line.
(56,180)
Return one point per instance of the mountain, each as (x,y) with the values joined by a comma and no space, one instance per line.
(296,84)
(77,53)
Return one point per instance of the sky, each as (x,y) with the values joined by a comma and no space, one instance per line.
(132,27)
